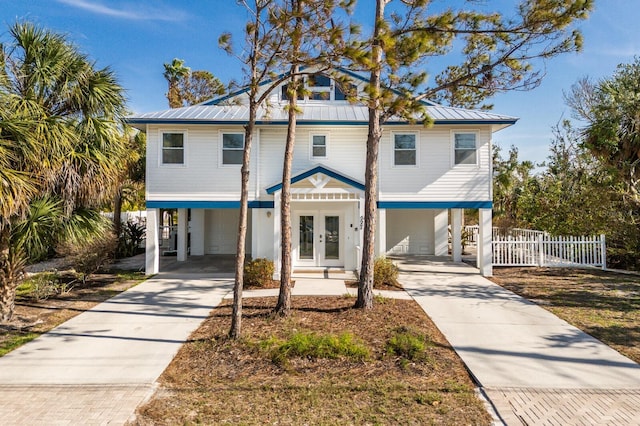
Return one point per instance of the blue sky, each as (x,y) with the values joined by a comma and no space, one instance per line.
(136,37)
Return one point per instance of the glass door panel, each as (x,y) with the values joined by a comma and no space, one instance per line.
(332,237)
(306,237)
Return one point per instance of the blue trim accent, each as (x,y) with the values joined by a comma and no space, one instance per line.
(318,169)
(435,204)
(256,204)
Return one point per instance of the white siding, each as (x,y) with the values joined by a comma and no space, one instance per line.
(346,152)
(221,231)
(202,177)
(263,233)
(410,231)
(434,178)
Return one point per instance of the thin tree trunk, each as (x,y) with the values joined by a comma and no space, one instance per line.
(7,284)
(236,318)
(284,298)
(365,286)
(117,212)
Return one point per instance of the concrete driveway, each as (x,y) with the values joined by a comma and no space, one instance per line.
(534,366)
(97,367)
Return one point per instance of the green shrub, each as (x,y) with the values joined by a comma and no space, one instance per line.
(407,344)
(88,256)
(312,345)
(384,272)
(258,272)
(40,286)
(130,239)
(43,285)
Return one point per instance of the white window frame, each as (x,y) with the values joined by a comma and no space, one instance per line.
(185,144)
(319,89)
(326,146)
(393,149)
(221,149)
(455,132)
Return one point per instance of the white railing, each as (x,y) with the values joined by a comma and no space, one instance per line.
(472,232)
(545,250)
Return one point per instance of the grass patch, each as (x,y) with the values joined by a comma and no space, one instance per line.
(15,341)
(407,344)
(603,304)
(313,346)
(326,379)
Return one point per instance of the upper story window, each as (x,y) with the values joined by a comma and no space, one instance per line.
(319,87)
(285,95)
(173,144)
(340,95)
(318,146)
(232,148)
(464,148)
(404,149)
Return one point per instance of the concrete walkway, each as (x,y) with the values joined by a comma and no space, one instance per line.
(535,368)
(99,366)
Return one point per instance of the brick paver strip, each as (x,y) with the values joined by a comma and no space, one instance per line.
(74,404)
(567,407)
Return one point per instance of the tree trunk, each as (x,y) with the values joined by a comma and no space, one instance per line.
(117,212)
(284,298)
(236,318)
(365,286)
(7,283)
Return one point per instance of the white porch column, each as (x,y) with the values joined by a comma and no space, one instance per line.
(485,254)
(276,235)
(359,225)
(381,235)
(152,249)
(255,232)
(182,235)
(197,232)
(456,235)
(441,233)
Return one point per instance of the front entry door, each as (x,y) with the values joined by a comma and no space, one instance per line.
(319,240)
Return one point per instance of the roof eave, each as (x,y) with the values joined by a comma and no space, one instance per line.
(140,123)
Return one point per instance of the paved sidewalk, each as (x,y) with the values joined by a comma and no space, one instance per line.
(535,368)
(97,367)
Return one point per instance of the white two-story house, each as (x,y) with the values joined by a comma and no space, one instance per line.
(427,176)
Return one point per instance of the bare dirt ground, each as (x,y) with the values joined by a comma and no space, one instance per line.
(214,380)
(603,304)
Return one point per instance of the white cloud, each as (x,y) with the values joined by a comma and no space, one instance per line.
(134,11)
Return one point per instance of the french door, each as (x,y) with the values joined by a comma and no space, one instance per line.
(319,239)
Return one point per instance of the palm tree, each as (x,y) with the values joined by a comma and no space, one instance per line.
(174,73)
(60,135)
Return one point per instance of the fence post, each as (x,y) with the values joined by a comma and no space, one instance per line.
(603,252)
(540,251)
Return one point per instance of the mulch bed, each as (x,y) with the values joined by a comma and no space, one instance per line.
(214,380)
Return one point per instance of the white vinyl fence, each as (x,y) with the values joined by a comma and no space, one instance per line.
(528,247)
(472,232)
(550,251)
